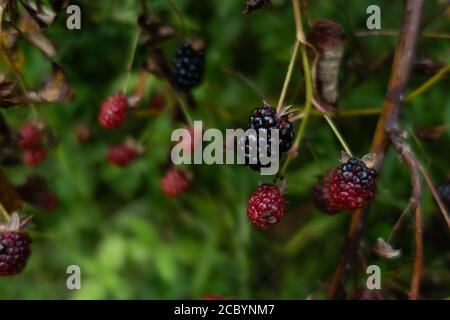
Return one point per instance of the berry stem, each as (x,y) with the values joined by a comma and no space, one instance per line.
(288,78)
(308,85)
(4,213)
(429,83)
(180,17)
(338,134)
(184,108)
(130,60)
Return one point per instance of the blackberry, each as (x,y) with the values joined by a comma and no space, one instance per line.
(30,135)
(266,206)
(352,184)
(113,111)
(266,118)
(122,155)
(444,193)
(189,67)
(174,182)
(34,157)
(321,196)
(15,247)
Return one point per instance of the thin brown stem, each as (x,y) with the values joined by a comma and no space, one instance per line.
(401,68)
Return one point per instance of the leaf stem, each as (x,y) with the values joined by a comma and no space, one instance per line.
(130,60)
(338,134)
(428,84)
(288,78)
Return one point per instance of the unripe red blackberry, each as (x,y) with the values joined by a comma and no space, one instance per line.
(34,156)
(174,182)
(321,196)
(352,184)
(113,111)
(189,66)
(266,118)
(30,135)
(266,206)
(123,155)
(444,193)
(15,247)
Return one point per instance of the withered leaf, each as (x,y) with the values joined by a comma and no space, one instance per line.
(44,17)
(56,88)
(385,250)
(155,29)
(32,31)
(251,5)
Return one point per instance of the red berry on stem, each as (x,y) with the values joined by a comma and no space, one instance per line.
(352,184)
(266,206)
(122,155)
(321,196)
(113,111)
(34,157)
(15,249)
(174,182)
(30,135)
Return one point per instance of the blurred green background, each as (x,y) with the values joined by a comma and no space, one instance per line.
(132,242)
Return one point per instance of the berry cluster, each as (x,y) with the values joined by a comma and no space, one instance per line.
(347,187)
(30,139)
(262,121)
(189,66)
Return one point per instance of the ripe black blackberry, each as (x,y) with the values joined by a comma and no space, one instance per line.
(444,193)
(266,118)
(189,66)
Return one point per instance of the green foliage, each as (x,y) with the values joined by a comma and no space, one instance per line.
(131,242)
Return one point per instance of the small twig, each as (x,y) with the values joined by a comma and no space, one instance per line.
(392,33)
(130,61)
(429,83)
(249,83)
(288,78)
(436,197)
(399,222)
(180,17)
(338,135)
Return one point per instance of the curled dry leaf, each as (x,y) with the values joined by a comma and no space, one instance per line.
(369,160)
(385,250)
(56,88)
(32,31)
(327,37)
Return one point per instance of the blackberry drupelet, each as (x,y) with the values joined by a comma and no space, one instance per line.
(189,67)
